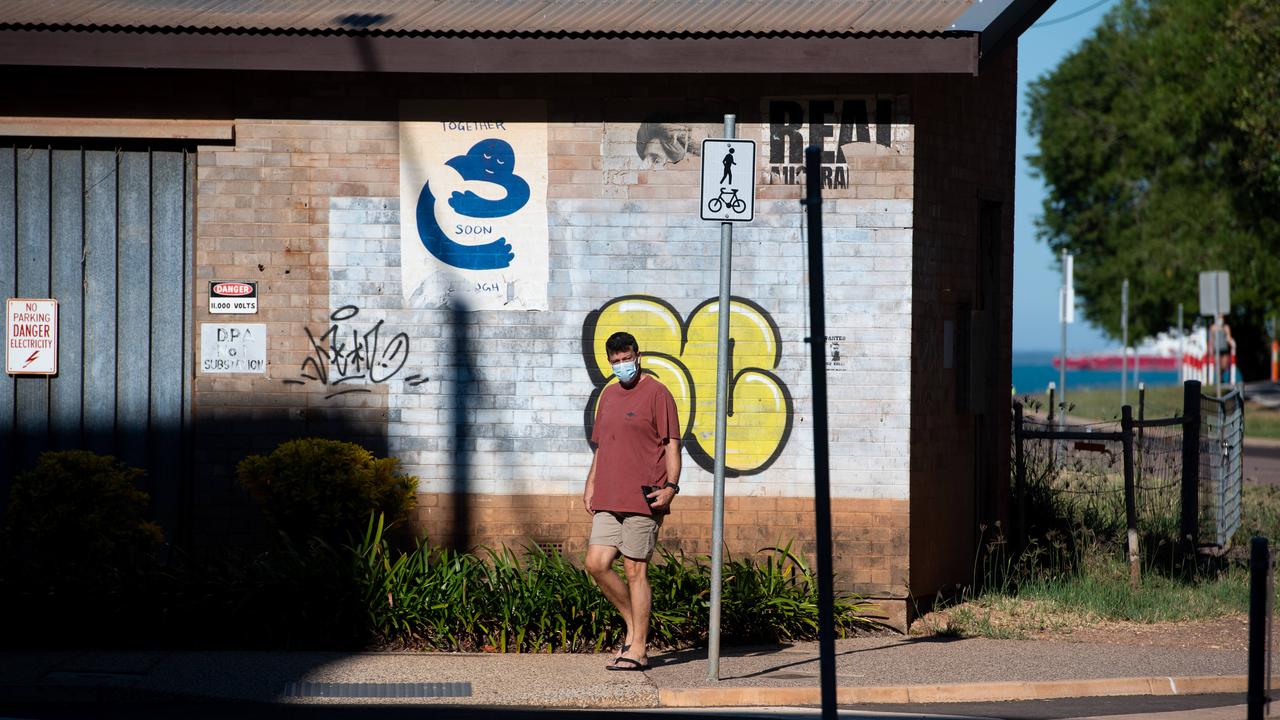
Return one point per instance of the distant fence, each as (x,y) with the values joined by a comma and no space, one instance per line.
(1178,477)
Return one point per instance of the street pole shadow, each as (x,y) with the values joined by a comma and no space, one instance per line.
(462,401)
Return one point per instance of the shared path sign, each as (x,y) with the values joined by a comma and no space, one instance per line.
(728,180)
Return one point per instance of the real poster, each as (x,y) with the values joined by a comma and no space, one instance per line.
(473,204)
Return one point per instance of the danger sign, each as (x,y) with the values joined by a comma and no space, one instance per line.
(31,337)
(233,298)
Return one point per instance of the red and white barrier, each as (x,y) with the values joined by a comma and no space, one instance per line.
(1200,367)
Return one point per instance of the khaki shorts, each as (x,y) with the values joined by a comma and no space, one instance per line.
(633,534)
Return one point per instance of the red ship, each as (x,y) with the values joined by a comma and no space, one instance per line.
(1115,361)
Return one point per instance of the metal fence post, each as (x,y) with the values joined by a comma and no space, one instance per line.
(1130,500)
(1189,528)
(1019,478)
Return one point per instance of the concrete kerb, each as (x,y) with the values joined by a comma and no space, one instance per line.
(695,698)
(961,692)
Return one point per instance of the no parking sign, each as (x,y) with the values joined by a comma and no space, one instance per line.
(31,336)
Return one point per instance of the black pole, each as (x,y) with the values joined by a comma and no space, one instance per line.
(1259,610)
(821,464)
(1019,478)
(1189,529)
(1130,496)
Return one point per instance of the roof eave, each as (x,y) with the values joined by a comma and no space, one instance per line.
(1010,24)
(949,53)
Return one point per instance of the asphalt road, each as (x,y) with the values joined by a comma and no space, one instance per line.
(1262,463)
(204,709)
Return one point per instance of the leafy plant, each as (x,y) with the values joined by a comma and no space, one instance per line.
(78,517)
(321,488)
(500,601)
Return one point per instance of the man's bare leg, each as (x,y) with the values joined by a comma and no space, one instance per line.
(600,564)
(641,602)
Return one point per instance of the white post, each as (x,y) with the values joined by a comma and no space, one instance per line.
(1124,340)
(1067,300)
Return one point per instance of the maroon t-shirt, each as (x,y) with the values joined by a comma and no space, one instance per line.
(629,433)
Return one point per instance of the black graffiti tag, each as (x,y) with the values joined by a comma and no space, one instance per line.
(335,360)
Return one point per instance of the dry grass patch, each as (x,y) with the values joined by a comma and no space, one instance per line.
(1004,617)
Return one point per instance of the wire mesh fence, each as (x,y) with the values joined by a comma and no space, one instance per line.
(1221,466)
(1082,478)
(1186,475)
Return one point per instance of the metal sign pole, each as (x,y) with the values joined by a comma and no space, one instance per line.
(1213,338)
(1182,349)
(722,407)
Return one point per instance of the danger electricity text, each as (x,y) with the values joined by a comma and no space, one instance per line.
(31,330)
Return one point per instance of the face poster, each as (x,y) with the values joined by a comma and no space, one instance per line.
(473,204)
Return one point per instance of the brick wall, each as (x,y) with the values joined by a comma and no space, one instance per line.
(497,434)
(263,214)
(959,472)
(306,202)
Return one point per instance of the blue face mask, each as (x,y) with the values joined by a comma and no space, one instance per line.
(626,371)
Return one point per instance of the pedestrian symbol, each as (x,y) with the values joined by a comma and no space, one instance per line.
(732,196)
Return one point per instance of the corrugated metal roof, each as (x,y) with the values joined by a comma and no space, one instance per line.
(496,17)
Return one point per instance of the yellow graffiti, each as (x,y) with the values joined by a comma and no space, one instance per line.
(683,356)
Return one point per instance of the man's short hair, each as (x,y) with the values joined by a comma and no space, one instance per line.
(621,342)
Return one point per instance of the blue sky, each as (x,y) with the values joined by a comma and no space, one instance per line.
(1036,277)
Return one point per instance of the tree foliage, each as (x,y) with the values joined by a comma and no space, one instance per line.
(1160,148)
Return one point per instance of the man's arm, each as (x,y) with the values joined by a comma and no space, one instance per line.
(665,493)
(590,489)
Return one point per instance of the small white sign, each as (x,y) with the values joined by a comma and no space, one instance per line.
(728,180)
(240,348)
(837,358)
(233,298)
(1215,293)
(31,336)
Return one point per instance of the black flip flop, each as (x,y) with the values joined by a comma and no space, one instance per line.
(634,666)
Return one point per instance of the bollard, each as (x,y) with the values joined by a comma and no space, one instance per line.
(1275,361)
(1260,585)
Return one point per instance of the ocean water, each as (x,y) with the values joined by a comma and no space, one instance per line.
(1033,371)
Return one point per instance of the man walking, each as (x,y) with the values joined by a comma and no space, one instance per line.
(728,162)
(633,477)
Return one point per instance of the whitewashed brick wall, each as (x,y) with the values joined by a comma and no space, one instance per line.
(619,229)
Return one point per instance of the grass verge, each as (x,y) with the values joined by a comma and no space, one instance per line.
(1040,595)
(1160,402)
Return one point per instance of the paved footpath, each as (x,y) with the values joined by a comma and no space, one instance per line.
(870,670)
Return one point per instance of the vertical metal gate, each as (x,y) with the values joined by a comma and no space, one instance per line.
(109,234)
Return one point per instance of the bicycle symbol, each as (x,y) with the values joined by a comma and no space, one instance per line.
(728,198)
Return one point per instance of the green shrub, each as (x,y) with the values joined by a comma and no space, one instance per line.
(79,518)
(326,489)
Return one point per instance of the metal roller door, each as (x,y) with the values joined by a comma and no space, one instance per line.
(108,233)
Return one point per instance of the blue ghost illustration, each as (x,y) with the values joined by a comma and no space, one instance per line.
(492,161)
(489,161)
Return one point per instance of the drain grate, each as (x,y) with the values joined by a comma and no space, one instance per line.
(377,690)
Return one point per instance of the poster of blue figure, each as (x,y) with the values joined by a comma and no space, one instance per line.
(473,179)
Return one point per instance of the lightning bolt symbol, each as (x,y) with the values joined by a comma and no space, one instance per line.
(31,359)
